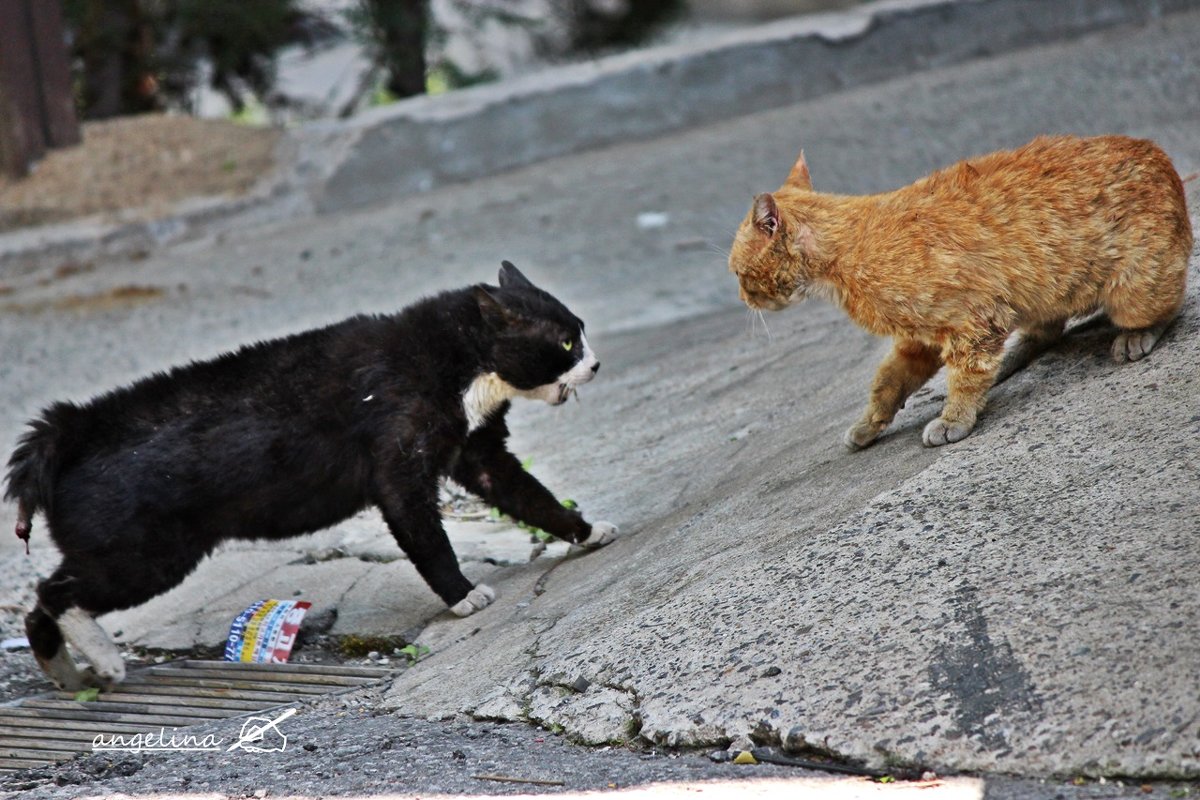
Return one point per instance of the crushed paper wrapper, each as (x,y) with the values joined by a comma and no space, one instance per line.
(265,632)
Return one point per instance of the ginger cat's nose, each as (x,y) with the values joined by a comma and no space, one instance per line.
(757,301)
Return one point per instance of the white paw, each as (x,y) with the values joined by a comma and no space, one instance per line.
(110,672)
(940,432)
(1133,345)
(477,599)
(602,533)
(92,643)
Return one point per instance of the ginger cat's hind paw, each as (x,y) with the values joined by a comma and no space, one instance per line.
(940,432)
(860,435)
(1134,345)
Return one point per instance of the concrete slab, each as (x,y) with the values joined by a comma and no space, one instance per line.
(355,568)
(200,610)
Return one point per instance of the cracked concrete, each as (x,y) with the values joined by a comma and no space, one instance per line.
(598,715)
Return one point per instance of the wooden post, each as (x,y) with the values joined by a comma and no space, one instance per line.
(37,105)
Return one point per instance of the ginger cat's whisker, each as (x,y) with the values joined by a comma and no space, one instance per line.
(720,225)
(950,266)
(751,325)
(720,251)
(763,320)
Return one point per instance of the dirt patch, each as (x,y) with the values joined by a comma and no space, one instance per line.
(118,297)
(147,163)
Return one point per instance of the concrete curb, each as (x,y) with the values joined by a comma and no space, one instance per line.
(427,142)
(431,141)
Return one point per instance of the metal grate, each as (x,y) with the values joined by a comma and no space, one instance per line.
(54,727)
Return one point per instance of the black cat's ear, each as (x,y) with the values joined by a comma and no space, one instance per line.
(766,214)
(493,310)
(511,277)
(799,177)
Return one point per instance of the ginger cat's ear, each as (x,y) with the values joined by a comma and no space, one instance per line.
(799,176)
(766,214)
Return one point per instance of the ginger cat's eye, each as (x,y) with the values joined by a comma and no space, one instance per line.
(567,345)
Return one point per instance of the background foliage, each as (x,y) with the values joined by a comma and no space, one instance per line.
(134,56)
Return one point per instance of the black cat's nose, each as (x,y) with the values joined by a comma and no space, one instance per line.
(595,367)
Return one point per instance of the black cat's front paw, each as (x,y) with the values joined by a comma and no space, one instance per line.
(477,599)
(602,533)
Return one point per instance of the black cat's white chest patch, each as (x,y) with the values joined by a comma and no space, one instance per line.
(485,394)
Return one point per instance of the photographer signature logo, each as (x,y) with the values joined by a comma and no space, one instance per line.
(258,735)
(262,735)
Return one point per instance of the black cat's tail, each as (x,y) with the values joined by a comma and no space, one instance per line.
(34,465)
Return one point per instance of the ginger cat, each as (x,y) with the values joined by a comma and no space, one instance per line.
(952,264)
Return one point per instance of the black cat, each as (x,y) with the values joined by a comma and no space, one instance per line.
(289,436)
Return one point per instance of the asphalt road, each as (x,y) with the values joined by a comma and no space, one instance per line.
(1023,602)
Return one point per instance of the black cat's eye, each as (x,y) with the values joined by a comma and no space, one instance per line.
(567,345)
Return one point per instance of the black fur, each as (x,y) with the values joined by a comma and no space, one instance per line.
(287,437)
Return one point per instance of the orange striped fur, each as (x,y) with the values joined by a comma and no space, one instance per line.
(949,266)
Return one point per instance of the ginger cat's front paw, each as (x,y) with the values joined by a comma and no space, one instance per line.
(602,533)
(1135,345)
(940,432)
(477,599)
(860,435)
